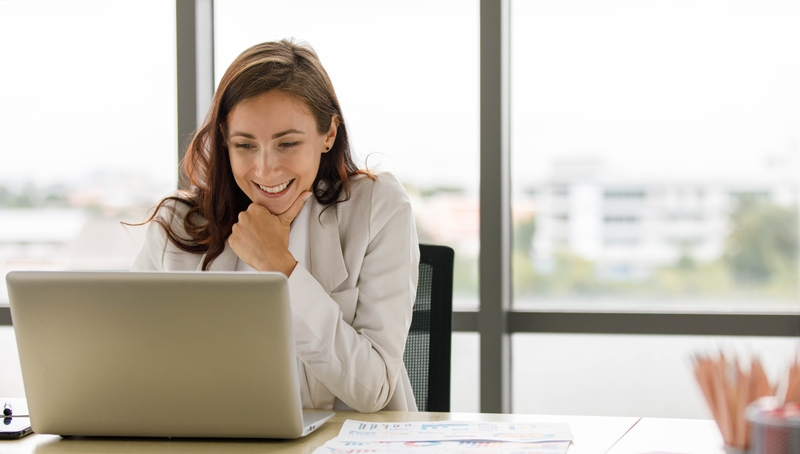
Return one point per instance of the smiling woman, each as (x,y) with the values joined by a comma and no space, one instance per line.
(275,136)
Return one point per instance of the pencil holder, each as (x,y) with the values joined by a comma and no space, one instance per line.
(774,428)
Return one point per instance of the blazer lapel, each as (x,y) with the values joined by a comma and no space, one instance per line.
(327,262)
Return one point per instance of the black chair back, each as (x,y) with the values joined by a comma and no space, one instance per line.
(427,353)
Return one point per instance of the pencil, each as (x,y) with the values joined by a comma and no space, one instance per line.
(728,388)
(793,383)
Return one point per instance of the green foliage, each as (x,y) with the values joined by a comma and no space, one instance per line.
(523,235)
(428,192)
(32,197)
(763,243)
(465,276)
(571,275)
(694,279)
(760,260)
(10,199)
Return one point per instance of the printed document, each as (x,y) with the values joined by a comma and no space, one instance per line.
(449,437)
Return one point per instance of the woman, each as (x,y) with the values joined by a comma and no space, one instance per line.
(273,187)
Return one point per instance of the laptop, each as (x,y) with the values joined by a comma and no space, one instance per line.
(153,354)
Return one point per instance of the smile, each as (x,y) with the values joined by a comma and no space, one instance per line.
(276,189)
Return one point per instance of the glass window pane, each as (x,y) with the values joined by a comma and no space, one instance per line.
(465,374)
(656,154)
(626,375)
(409,91)
(11,378)
(87,122)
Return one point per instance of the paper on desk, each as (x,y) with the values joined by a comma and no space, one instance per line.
(454,430)
(441,447)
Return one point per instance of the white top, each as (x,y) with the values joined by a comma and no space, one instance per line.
(298,246)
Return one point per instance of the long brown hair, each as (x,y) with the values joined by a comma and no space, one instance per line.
(212,195)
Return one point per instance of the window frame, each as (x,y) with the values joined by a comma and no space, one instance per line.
(496,321)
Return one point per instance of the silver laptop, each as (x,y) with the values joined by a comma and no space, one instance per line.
(158,354)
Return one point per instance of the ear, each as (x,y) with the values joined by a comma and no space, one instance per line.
(330,137)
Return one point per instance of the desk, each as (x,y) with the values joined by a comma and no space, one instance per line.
(684,436)
(593,435)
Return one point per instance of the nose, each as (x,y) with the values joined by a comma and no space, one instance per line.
(267,163)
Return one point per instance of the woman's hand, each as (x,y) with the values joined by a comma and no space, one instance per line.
(261,239)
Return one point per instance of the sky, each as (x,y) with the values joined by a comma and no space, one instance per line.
(656,89)
(86,87)
(662,89)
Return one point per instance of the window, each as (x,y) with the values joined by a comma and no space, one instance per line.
(630,375)
(88,129)
(677,122)
(409,91)
(674,129)
(676,126)
(87,136)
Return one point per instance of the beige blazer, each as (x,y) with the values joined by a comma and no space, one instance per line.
(351,305)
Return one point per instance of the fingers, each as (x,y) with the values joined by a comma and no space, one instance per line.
(288,216)
(254,214)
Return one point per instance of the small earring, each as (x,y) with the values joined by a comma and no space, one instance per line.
(327,148)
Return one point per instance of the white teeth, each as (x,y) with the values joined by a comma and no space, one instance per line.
(275,189)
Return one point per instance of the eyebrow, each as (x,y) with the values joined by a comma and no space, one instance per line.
(243,134)
(274,136)
(288,131)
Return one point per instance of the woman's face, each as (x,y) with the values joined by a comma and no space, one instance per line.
(275,148)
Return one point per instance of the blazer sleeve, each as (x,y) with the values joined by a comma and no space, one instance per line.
(151,254)
(157,252)
(360,363)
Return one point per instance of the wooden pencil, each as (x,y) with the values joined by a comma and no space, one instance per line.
(729,388)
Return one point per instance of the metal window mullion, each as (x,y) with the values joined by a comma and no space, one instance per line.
(651,323)
(641,323)
(495,208)
(194,34)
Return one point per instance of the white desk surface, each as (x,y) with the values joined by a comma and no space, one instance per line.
(593,435)
(673,436)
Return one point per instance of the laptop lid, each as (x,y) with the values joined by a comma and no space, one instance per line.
(182,354)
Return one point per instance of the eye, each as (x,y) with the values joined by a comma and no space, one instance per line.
(288,144)
(244,146)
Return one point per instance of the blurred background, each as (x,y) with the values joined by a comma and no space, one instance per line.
(655,150)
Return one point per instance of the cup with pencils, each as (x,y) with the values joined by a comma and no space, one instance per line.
(744,403)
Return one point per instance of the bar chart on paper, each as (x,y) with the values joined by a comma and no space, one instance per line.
(454,430)
(449,437)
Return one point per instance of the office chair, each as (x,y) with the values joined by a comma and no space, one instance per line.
(427,353)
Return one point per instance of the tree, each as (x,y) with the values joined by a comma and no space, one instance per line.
(763,242)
